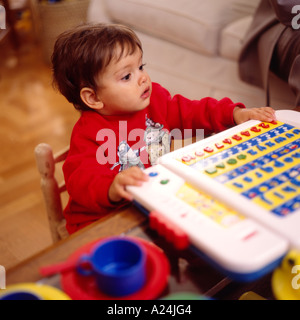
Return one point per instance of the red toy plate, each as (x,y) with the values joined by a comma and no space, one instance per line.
(84,288)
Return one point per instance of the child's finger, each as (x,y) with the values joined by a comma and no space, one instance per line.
(264,114)
(269,112)
(138,174)
(130,179)
(125,194)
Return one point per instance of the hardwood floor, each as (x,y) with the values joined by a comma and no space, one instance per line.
(30,112)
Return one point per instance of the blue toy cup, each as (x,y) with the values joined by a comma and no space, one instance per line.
(118,264)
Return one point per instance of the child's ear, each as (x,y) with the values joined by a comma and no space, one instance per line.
(90,98)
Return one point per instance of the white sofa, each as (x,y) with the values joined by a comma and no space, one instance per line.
(191,46)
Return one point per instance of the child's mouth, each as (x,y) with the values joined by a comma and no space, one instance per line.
(146,93)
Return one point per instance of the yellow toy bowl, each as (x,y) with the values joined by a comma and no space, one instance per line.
(32,291)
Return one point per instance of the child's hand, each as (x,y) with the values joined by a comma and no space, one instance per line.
(133,176)
(241,115)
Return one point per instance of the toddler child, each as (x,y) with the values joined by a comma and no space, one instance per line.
(125,120)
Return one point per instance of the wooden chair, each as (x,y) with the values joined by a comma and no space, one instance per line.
(52,191)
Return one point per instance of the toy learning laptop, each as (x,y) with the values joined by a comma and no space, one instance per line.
(233,197)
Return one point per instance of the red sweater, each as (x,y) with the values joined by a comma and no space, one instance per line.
(99,145)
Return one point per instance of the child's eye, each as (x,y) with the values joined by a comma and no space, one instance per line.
(141,68)
(127,77)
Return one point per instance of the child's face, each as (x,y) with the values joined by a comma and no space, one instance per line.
(125,86)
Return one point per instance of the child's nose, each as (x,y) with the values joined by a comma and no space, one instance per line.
(142,78)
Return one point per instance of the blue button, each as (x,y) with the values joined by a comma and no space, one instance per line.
(238,185)
(261,148)
(296,155)
(296,131)
(289,189)
(278,164)
(279,195)
(289,135)
(258,174)
(295,182)
(270,144)
(252,152)
(267,169)
(153,174)
(263,198)
(280,139)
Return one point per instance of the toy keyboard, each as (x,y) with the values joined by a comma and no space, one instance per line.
(233,197)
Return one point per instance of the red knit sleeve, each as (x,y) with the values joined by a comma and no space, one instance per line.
(209,114)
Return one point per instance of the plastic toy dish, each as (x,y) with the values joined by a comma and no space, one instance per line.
(32,291)
(118,264)
(85,288)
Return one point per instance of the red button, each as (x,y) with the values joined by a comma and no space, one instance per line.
(208,149)
(186,158)
(199,153)
(228,141)
(264,125)
(245,133)
(236,137)
(254,129)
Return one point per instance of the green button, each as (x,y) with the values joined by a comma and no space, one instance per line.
(241,156)
(211,170)
(232,161)
(220,165)
(164,181)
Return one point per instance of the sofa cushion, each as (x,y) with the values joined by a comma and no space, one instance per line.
(194,24)
(232,37)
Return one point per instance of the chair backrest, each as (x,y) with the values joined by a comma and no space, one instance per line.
(46,163)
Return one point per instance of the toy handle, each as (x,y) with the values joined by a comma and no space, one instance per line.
(84,266)
(62,267)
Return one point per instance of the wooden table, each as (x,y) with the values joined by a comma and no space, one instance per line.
(189,273)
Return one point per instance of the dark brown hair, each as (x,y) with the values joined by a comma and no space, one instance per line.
(82,53)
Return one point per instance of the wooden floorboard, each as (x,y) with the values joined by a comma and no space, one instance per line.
(31,111)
